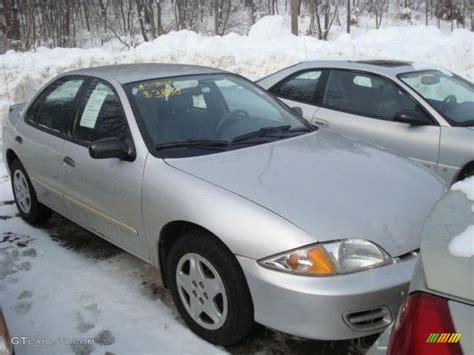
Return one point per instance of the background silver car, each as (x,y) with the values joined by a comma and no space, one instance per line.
(422,112)
(251,213)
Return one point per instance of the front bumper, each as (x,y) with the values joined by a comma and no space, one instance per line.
(328,308)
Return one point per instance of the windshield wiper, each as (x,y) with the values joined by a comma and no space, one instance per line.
(468,123)
(200,143)
(262,132)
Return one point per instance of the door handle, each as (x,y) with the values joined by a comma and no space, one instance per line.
(68,161)
(18,139)
(321,123)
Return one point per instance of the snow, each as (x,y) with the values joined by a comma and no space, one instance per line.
(463,244)
(466,186)
(48,291)
(268,47)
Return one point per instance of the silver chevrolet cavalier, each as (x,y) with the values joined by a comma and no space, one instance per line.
(420,111)
(251,213)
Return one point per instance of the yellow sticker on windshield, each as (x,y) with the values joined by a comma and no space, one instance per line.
(158,89)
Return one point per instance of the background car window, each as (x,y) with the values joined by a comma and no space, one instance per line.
(448,94)
(365,95)
(101,114)
(301,87)
(52,108)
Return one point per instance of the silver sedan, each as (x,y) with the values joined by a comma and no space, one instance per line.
(420,111)
(251,213)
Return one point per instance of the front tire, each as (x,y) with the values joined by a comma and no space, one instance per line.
(209,289)
(27,203)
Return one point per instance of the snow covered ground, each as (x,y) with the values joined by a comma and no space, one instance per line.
(48,291)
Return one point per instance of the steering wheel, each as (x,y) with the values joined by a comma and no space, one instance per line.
(227,117)
(448,101)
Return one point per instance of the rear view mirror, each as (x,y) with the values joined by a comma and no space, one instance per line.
(413,117)
(430,80)
(113,147)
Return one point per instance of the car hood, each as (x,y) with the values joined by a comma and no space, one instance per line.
(330,186)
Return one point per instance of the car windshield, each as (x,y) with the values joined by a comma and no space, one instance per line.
(205,114)
(450,95)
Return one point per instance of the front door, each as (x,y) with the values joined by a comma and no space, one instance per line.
(362,106)
(103,194)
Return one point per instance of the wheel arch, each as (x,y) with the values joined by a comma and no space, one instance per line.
(11,157)
(169,234)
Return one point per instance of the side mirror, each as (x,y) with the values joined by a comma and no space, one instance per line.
(412,117)
(297,110)
(113,147)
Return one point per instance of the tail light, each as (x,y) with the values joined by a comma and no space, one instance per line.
(421,317)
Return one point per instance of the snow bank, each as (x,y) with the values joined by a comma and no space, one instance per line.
(269,47)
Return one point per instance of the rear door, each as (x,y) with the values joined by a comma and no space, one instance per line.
(362,106)
(103,194)
(42,134)
(303,89)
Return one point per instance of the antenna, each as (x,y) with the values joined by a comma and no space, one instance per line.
(5,77)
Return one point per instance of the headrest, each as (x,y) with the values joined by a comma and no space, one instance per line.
(181,101)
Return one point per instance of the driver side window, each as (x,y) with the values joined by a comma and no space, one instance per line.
(365,95)
(101,114)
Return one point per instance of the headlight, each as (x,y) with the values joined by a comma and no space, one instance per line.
(331,258)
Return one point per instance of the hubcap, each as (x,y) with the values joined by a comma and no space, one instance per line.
(201,291)
(22,191)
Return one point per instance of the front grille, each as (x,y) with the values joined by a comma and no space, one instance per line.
(369,319)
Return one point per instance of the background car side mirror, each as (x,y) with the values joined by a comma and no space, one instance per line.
(297,110)
(412,117)
(112,147)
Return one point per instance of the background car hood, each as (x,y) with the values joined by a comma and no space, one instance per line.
(330,186)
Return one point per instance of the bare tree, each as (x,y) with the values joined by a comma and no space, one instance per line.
(294,16)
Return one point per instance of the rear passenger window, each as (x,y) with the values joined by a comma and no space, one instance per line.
(101,114)
(365,95)
(302,87)
(53,107)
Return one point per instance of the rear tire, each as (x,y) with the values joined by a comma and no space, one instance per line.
(31,210)
(215,285)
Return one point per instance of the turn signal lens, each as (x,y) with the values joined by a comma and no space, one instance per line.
(312,260)
(320,262)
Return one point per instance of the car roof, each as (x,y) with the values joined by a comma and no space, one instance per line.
(128,73)
(378,66)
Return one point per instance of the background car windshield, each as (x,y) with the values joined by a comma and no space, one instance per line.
(450,95)
(218,107)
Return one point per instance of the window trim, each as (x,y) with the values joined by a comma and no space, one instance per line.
(47,89)
(320,87)
(80,105)
(382,77)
